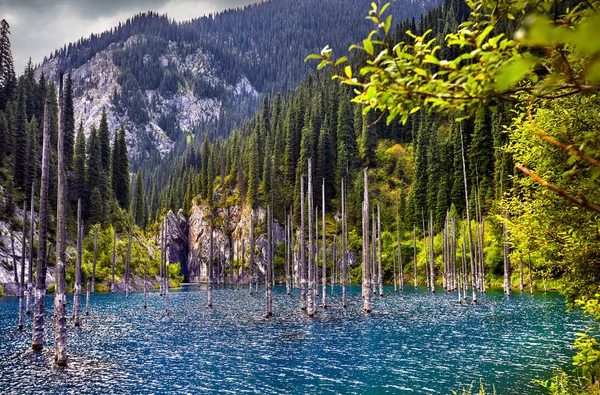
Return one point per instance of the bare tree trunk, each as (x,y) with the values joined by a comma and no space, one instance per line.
(365,235)
(167,245)
(268,280)
(114,260)
(303,263)
(324,248)
(128,265)
(400,265)
(453,253)
(87,299)
(94,262)
(465,280)
(288,238)
(60,299)
(37,338)
(210,263)
(507,285)
(251,269)
(373,253)
(243,259)
(464,166)
(530,275)
(379,268)
(22,280)
(431,253)
(14,259)
(343,244)
(426,251)
(145,288)
(311,250)
(521,286)
(77,293)
(162,255)
(316,256)
(30,272)
(415,254)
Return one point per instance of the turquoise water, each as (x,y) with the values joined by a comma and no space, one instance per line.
(413,342)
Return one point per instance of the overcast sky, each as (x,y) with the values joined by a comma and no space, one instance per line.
(38,27)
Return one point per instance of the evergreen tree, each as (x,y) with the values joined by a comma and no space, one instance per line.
(78,180)
(7,68)
(3,138)
(96,211)
(253,171)
(139,201)
(120,170)
(368,141)
(420,181)
(69,126)
(325,161)
(104,138)
(480,159)
(20,140)
(33,157)
(346,140)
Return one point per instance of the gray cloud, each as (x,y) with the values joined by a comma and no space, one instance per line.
(38,27)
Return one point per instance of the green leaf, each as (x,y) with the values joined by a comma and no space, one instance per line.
(348,71)
(484,34)
(341,60)
(368,45)
(513,72)
(387,24)
(312,56)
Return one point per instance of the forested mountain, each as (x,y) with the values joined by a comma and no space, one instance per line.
(165,81)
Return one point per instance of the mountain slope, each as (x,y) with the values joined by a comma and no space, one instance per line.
(165,80)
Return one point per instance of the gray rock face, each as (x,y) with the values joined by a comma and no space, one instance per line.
(177,237)
(231,228)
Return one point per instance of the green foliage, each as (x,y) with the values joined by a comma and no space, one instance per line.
(470,391)
(1,291)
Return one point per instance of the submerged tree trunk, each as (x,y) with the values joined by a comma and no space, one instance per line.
(288,238)
(464,166)
(251,263)
(87,299)
(530,275)
(30,271)
(14,257)
(316,256)
(77,293)
(303,263)
(114,261)
(431,253)
(521,286)
(400,265)
(268,273)
(365,246)
(145,288)
(94,261)
(379,269)
(507,285)
(324,248)
(311,251)
(128,265)
(60,300)
(210,265)
(162,256)
(22,279)
(166,266)
(37,338)
(373,253)
(415,255)
(343,244)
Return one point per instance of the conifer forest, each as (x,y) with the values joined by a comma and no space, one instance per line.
(301,196)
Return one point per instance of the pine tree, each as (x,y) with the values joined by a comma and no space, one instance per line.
(95,211)
(69,127)
(120,170)
(420,181)
(139,201)
(104,138)
(79,184)
(481,162)
(20,141)
(253,171)
(3,138)
(33,160)
(346,141)
(368,141)
(7,68)
(325,161)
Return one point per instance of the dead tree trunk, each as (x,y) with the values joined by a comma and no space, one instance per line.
(77,293)
(60,298)
(210,265)
(530,275)
(145,288)
(464,166)
(251,263)
(431,253)
(288,245)
(30,271)
(343,245)
(311,251)
(268,280)
(316,256)
(324,248)
(507,285)
(400,264)
(94,261)
(521,286)
(379,268)
(373,253)
(37,338)
(22,279)
(365,252)
(128,265)
(303,263)
(114,261)
(87,299)
(415,255)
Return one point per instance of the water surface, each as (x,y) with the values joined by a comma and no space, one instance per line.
(413,342)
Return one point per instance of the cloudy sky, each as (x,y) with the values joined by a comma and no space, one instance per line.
(40,26)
